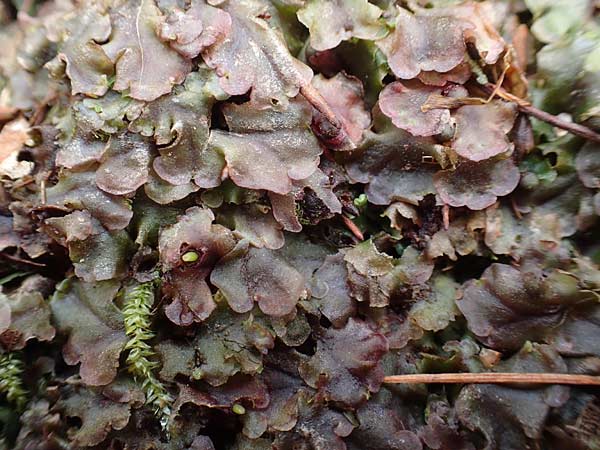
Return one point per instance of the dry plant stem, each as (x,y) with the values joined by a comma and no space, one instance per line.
(498,84)
(574,128)
(494,378)
(526,108)
(320,104)
(20,260)
(353,228)
(446,216)
(438,101)
(317,101)
(43,192)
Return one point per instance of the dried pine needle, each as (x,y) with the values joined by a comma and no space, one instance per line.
(494,378)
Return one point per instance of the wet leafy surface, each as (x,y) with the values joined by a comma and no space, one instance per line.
(224,222)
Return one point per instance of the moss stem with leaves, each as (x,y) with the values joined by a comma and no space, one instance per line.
(137,312)
(11,383)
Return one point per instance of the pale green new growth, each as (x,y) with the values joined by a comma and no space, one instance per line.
(360,201)
(137,312)
(11,369)
(238,409)
(190,257)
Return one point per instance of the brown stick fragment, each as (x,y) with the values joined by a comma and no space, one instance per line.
(571,127)
(526,108)
(334,131)
(437,101)
(494,378)
(315,98)
(446,216)
(43,192)
(18,259)
(353,228)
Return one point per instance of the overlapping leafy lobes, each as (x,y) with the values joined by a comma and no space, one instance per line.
(228,156)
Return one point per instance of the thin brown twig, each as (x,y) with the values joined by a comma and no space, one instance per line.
(43,192)
(494,378)
(315,98)
(498,84)
(526,108)
(446,216)
(571,127)
(437,101)
(353,228)
(335,130)
(20,260)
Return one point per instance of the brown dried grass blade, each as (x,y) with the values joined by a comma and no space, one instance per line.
(495,378)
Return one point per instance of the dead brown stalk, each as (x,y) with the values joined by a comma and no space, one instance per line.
(494,378)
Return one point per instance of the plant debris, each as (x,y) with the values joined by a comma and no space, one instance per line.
(299,224)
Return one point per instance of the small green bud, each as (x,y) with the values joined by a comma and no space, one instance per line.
(238,409)
(360,201)
(190,257)
(197,373)
(218,297)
